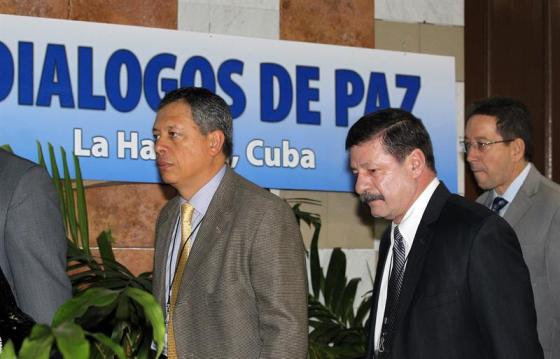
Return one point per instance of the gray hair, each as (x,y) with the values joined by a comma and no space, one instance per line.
(209,111)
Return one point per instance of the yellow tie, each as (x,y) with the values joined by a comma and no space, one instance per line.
(186,216)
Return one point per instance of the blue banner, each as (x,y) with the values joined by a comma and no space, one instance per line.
(93,89)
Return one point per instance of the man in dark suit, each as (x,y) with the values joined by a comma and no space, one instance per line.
(451,281)
(229,265)
(499,145)
(32,238)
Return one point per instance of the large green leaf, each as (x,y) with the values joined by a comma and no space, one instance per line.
(326,332)
(153,312)
(77,306)
(71,341)
(58,186)
(8,351)
(38,344)
(104,241)
(318,351)
(81,205)
(69,200)
(7,148)
(40,157)
(335,280)
(345,306)
(109,344)
(362,312)
(317,276)
(312,219)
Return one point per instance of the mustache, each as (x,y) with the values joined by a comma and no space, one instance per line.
(367,197)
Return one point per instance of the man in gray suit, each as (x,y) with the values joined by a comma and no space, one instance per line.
(242,292)
(32,239)
(498,145)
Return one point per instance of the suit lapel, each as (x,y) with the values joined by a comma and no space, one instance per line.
(212,229)
(165,236)
(420,247)
(522,201)
(383,251)
(485,199)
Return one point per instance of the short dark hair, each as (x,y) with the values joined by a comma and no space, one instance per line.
(400,133)
(513,119)
(209,111)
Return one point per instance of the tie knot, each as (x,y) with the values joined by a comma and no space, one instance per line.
(397,234)
(399,240)
(498,204)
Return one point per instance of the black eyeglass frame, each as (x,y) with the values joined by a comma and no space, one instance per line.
(481,146)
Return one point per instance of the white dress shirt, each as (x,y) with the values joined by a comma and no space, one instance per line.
(407,227)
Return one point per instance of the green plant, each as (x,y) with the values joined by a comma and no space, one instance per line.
(7,148)
(112,312)
(335,330)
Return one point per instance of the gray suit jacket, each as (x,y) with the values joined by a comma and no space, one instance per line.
(32,238)
(244,290)
(534,214)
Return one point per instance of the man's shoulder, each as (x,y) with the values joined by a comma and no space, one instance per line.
(549,190)
(13,164)
(464,219)
(449,206)
(539,189)
(484,197)
(15,170)
(462,210)
(251,192)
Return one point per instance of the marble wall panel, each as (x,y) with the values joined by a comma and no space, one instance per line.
(128,210)
(137,260)
(445,40)
(397,36)
(46,8)
(251,18)
(441,12)
(345,22)
(161,13)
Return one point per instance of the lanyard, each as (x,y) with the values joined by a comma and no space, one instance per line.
(171,276)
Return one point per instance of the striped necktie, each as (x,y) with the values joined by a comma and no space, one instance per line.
(393,292)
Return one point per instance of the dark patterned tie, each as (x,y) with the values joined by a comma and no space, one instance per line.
(393,292)
(498,204)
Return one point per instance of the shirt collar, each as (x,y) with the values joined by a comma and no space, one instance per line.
(514,187)
(411,220)
(201,199)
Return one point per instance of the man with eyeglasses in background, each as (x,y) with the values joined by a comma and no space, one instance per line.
(498,148)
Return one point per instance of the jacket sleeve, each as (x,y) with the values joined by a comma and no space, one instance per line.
(501,293)
(36,246)
(552,265)
(279,279)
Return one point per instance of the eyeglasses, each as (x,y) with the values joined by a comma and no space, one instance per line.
(481,146)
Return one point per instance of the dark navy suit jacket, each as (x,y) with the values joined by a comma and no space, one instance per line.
(466,292)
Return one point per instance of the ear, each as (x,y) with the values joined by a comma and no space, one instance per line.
(518,149)
(215,142)
(416,162)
